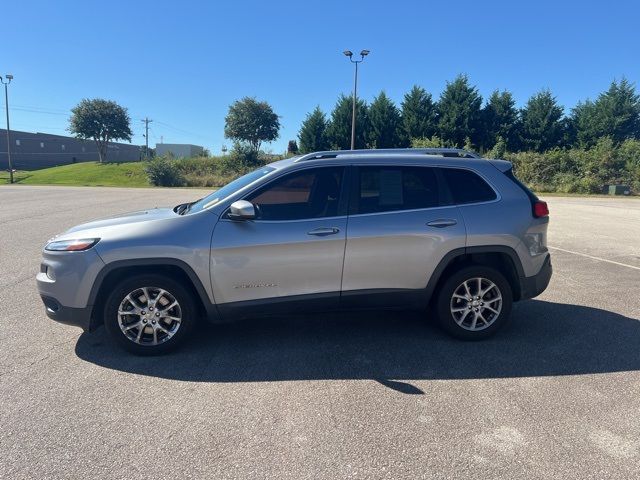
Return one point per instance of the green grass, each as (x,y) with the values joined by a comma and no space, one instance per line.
(93,174)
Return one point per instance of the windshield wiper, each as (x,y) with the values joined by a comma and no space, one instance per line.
(181,209)
(185,207)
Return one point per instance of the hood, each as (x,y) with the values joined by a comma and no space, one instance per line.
(125,219)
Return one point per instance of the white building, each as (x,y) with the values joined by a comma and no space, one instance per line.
(178,150)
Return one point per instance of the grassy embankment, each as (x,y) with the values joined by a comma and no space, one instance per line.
(94,174)
(193,172)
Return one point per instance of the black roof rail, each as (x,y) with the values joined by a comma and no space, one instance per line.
(442,152)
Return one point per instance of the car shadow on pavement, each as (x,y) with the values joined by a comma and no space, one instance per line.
(542,339)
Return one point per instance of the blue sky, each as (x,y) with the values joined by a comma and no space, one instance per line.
(183,63)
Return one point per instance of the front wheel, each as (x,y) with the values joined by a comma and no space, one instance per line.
(149,314)
(474,303)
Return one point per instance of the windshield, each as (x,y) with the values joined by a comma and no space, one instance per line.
(229,189)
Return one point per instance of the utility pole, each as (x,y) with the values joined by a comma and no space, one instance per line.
(6,102)
(349,54)
(146,122)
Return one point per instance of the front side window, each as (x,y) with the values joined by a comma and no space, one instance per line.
(307,194)
(386,189)
(467,186)
(230,188)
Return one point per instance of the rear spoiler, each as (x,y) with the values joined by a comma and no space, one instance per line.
(502,165)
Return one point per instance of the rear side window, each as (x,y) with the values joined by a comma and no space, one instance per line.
(467,187)
(386,189)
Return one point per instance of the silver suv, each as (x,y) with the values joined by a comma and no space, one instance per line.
(434,229)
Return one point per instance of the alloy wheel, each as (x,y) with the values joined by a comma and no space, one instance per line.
(476,304)
(149,316)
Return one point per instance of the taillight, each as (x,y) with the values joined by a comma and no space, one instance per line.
(540,209)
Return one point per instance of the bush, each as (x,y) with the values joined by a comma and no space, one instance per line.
(164,173)
(578,170)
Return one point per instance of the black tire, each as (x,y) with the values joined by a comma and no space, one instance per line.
(186,308)
(445,303)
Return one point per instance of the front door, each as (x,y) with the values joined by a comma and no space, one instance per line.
(293,250)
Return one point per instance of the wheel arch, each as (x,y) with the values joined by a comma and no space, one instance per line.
(502,258)
(114,272)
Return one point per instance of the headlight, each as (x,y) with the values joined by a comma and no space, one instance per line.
(76,245)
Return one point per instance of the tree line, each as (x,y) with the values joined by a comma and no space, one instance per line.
(458,118)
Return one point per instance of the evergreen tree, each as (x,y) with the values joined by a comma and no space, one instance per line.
(339,129)
(419,118)
(459,112)
(615,114)
(292,147)
(385,123)
(313,132)
(500,117)
(542,123)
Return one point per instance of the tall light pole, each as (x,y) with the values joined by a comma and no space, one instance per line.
(349,54)
(6,81)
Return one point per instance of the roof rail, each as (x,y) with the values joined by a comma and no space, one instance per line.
(442,152)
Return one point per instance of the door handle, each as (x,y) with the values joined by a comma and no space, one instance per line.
(323,231)
(443,222)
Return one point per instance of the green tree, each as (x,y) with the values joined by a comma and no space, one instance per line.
(313,132)
(339,129)
(499,118)
(419,119)
(615,114)
(498,150)
(292,147)
(459,112)
(385,123)
(424,142)
(542,125)
(252,122)
(101,121)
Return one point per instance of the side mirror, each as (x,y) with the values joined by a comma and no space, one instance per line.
(242,210)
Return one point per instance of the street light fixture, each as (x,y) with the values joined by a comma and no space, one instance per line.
(349,54)
(6,81)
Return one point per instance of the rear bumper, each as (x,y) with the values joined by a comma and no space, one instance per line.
(78,317)
(533,286)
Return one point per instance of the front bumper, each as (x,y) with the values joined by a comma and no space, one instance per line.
(64,284)
(78,317)
(533,286)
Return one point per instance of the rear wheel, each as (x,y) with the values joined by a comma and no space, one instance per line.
(474,303)
(149,314)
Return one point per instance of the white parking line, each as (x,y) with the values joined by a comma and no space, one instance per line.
(595,258)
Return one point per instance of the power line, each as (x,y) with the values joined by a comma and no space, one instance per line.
(58,110)
(181,130)
(67,113)
(33,110)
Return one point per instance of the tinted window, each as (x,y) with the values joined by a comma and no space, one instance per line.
(467,187)
(385,189)
(312,193)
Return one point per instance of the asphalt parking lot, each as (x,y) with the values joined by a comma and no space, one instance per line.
(554,395)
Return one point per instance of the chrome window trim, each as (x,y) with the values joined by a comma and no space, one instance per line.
(437,165)
(284,171)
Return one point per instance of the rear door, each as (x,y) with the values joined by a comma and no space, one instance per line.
(401,224)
